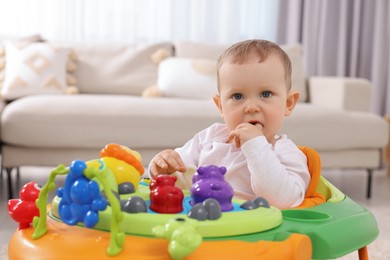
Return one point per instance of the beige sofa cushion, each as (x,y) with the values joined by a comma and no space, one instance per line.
(92,121)
(213,51)
(115,68)
(332,129)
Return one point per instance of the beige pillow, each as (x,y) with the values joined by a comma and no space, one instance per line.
(213,51)
(34,68)
(122,68)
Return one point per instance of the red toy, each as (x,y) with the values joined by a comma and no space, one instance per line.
(24,210)
(165,197)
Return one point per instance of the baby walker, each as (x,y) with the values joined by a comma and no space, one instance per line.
(104,210)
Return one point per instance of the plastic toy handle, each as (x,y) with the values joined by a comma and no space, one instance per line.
(39,223)
(117,238)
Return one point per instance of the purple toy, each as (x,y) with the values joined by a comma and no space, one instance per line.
(209,182)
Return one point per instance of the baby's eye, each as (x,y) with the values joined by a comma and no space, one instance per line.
(237,96)
(266,94)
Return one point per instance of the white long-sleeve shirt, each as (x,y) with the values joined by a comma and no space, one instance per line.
(278,172)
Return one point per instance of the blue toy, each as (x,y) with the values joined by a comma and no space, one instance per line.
(80,198)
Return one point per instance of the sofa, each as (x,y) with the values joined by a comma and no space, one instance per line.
(151,97)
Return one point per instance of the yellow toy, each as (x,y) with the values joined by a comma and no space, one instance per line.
(124,163)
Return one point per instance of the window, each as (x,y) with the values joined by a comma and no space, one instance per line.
(216,21)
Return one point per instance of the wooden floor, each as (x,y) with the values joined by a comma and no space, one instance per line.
(352,183)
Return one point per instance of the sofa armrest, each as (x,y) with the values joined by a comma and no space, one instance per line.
(340,93)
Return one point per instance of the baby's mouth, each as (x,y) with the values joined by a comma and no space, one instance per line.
(253,122)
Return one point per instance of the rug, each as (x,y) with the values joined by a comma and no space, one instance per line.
(377,250)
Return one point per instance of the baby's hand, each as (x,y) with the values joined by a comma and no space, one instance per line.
(245,132)
(166,162)
(184,180)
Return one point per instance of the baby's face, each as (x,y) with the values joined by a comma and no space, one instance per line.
(254,93)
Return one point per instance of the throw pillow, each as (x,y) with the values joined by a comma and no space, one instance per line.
(20,42)
(120,68)
(156,57)
(187,78)
(35,68)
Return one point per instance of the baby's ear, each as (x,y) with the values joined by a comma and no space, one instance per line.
(217,101)
(292,99)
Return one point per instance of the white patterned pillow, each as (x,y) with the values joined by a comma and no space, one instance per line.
(20,42)
(36,68)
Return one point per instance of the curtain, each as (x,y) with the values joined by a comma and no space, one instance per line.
(140,21)
(342,38)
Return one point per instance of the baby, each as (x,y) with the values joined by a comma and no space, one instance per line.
(254,97)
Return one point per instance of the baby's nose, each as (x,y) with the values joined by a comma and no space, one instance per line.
(252,107)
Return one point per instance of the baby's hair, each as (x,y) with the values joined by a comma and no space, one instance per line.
(239,54)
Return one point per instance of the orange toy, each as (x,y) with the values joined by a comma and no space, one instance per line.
(312,196)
